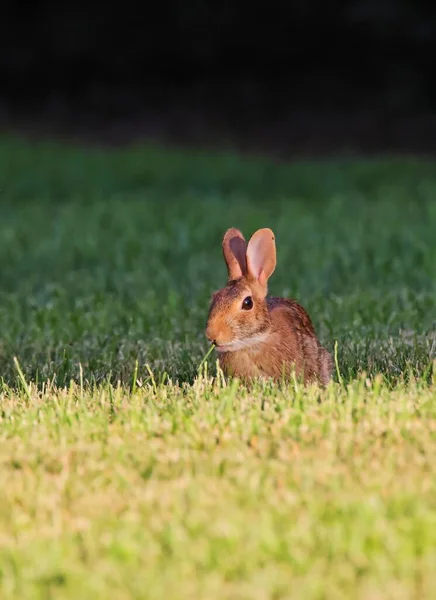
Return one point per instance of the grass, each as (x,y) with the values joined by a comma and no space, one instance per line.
(127,473)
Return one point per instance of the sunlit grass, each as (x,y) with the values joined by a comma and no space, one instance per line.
(215,491)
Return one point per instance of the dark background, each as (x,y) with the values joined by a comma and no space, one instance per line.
(304,76)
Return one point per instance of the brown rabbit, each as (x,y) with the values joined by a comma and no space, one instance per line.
(258,336)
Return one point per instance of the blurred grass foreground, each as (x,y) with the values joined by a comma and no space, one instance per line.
(126,473)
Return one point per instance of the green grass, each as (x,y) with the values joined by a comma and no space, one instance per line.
(126,474)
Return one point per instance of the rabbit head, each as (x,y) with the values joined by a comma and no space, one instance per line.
(238,314)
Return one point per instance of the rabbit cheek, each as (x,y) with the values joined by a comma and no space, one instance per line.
(246,324)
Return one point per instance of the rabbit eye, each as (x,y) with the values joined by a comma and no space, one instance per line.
(247,303)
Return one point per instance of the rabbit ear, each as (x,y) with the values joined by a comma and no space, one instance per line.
(234,249)
(261,255)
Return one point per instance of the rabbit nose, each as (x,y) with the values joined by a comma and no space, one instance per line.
(210,337)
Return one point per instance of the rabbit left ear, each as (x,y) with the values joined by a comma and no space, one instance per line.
(261,256)
(234,248)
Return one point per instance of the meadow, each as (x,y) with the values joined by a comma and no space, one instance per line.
(129,468)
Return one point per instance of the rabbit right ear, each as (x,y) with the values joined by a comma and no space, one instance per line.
(234,250)
(261,255)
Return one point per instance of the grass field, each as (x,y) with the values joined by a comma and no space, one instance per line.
(127,472)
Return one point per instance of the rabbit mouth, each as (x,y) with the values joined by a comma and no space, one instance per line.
(258,338)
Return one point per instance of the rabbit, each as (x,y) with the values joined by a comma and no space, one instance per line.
(258,336)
